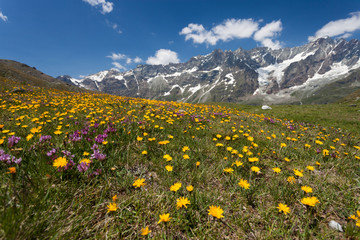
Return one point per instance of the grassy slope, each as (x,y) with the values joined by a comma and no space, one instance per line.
(40,202)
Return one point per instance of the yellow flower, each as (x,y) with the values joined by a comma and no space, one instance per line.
(190,188)
(175,187)
(60,162)
(228,170)
(164,218)
(311,168)
(237,163)
(167,157)
(283,208)
(185,148)
(164,142)
(28,137)
(197,163)
(139,139)
(254,159)
(306,189)
(185,156)
(86,160)
(1,141)
(169,168)
(145,231)
(291,180)
(144,152)
(310,201)
(298,173)
(105,142)
(58,132)
(250,139)
(244,184)
(86,154)
(325,152)
(319,142)
(276,169)
(114,198)
(182,202)
(140,182)
(112,207)
(11,170)
(216,211)
(282,145)
(219,145)
(255,169)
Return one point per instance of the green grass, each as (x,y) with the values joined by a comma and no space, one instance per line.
(40,201)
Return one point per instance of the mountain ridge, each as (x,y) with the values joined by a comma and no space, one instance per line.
(260,74)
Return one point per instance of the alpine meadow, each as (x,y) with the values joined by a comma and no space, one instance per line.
(179,119)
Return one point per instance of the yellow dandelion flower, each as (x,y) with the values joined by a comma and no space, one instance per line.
(140,182)
(164,217)
(216,211)
(167,157)
(228,170)
(11,170)
(144,152)
(253,159)
(282,145)
(145,231)
(175,187)
(310,201)
(112,207)
(310,168)
(60,162)
(190,188)
(182,202)
(306,189)
(185,156)
(197,163)
(255,169)
(244,184)
(237,163)
(283,208)
(291,180)
(169,168)
(276,170)
(298,173)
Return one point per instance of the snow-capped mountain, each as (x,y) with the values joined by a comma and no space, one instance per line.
(260,74)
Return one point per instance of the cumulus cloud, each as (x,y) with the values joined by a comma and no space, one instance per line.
(117,56)
(3,17)
(129,61)
(137,60)
(228,30)
(266,34)
(163,56)
(118,66)
(342,27)
(106,7)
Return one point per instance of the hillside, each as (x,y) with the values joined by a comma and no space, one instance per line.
(99,166)
(26,75)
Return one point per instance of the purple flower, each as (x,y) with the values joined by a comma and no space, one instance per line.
(51,152)
(83,167)
(44,138)
(13,140)
(98,155)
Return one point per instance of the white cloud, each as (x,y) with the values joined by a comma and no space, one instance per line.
(116,28)
(118,66)
(117,56)
(230,29)
(106,6)
(3,17)
(137,60)
(267,32)
(163,56)
(129,61)
(339,27)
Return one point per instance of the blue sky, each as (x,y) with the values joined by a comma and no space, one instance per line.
(81,37)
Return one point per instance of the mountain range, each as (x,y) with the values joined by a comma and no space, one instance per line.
(320,71)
